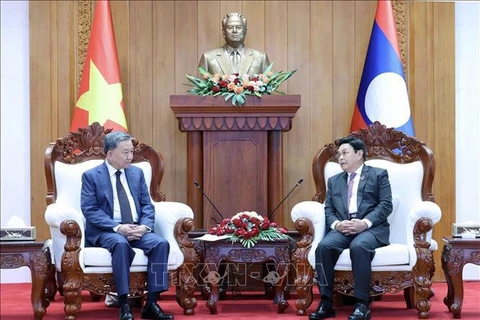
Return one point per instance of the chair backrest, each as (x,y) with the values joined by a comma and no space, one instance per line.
(70,156)
(409,162)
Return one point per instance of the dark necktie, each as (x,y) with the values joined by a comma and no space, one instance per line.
(125,210)
(350,188)
(235,60)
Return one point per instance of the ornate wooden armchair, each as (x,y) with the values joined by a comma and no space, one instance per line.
(89,268)
(407,263)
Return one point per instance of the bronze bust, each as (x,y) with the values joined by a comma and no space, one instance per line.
(234,56)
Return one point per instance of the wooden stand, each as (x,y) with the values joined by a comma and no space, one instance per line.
(456,253)
(234,153)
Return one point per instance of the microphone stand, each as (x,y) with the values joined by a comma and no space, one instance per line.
(296,185)
(210,201)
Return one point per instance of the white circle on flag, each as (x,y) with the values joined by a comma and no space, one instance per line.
(386,100)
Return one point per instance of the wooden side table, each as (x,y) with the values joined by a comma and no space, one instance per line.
(32,254)
(456,253)
(277,251)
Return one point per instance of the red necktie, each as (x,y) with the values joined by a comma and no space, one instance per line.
(350,188)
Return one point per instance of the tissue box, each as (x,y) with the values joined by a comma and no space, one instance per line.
(470,228)
(17,234)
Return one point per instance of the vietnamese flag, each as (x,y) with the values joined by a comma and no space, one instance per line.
(100,97)
(382,95)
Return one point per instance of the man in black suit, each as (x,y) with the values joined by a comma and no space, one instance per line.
(120,216)
(357,204)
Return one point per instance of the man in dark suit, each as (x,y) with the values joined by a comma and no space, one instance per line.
(234,56)
(357,204)
(120,216)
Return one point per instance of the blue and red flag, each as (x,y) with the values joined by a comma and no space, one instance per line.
(382,95)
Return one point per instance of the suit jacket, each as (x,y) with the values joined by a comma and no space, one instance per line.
(97,200)
(218,61)
(374,200)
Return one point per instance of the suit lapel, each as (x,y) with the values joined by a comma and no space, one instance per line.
(247,61)
(130,175)
(106,185)
(344,193)
(361,185)
(223,61)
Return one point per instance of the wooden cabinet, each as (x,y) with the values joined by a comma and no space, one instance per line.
(234,153)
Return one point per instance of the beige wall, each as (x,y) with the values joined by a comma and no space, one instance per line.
(160,41)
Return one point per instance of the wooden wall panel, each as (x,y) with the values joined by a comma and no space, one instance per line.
(297,141)
(444,119)
(321,78)
(158,42)
(255,12)
(344,90)
(186,61)
(41,98)
(164,127)
(276,40)
(140,104)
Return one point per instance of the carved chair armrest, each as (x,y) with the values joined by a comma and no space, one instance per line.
(71,258)
(55,214)
(421,219)
(309,219)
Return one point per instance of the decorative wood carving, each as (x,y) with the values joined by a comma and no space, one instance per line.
(382,143)
(84,18)
(456,253)
(219,252)
(87,144)
(31,254)
(12,261)
(400,12)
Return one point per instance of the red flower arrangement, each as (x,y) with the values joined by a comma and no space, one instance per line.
(236,86)
(248,227)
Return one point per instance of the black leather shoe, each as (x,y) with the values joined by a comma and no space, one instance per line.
(153,311)
(324,310)
(361,312)
(124,313)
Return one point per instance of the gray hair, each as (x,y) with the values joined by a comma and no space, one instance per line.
(113,139)
(234,14)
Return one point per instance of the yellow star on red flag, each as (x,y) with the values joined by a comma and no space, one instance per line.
(100,97)
(103,100)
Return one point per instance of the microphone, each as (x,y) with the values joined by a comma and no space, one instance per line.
(210,201)
(294,187)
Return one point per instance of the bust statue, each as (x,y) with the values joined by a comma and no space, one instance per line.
(234,56)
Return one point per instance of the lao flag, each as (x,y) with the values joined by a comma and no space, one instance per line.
(382,95)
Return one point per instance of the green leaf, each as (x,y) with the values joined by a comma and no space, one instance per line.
(268,69)
(228,95)
(203,71)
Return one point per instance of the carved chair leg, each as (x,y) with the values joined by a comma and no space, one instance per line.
(408,294)
(51,288)
(186,287)
(73,301)
(60,282)
(304,288)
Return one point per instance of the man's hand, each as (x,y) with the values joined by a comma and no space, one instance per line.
(132,231)
(139,231)
(351,227)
